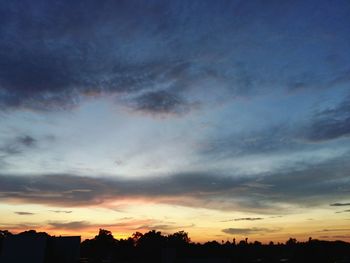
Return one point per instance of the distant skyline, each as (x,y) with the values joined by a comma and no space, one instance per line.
(225,119)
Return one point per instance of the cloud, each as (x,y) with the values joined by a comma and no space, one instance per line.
(196,189)
(24,213)
(60,63)
(74,225)
(244,219)
(100,50)
(127,224)
(161,102)
(163,227)
(335,230)
(344,211)
(20,227)
(17,145)
(337,236)
(248,231)
(277,138)
(332,123)
(61,211)
(27,141)
(340,204)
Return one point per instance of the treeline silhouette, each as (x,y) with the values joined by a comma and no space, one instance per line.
(155,247)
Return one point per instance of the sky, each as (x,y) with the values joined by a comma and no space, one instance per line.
(225,119)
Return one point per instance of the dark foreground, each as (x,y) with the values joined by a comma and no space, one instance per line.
(154,247)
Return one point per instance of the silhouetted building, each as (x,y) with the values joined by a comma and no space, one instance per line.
(207,260)
(34,248)
(23,248)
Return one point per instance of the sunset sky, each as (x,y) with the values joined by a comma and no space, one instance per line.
(226,119)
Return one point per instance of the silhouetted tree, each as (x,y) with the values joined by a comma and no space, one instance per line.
(3,234)
(152,239)
(179,239)
(101,247)
(291,242)
(136,237)
(155,247)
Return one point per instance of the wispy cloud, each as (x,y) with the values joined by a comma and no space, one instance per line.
(335,230)
(344,211)
(24,213)
(340,204)
(331,123)
(74,225)
(61,211)
(124,223)
(16,145)
(244,219)
(248,231)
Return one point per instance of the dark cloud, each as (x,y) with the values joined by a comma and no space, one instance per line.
(261,194)
(161,102)
(17,145)
(24,213)
(248,231)
(53,54)
(331,123)
(49,60)
(27,141)
(340,204)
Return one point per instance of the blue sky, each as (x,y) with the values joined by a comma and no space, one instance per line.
(228,106)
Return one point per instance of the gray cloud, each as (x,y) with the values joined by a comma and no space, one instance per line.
(24,213)
(27,140)
(210,190)
(15,146)
(70,225)
(331,123)
(59,62)
(340,204)
(161,102)
(52,54)
(248,231)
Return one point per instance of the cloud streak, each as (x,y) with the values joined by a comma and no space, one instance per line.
(61,211)
(340,204)
(24,213)
(331,123)
(244,219)
(248,231)
(211,190)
